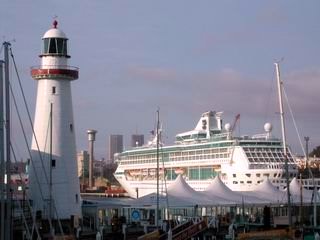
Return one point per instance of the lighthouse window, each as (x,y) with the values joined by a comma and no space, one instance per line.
(52,46)
(53,90)
(46,45)
(62,45)
(55,45)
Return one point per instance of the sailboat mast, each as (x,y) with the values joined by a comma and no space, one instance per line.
(283,130)
(5,162)
(158,141)
(2,162)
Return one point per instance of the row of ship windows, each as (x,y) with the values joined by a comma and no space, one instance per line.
(200,157)
(191,173)
(199,173)
(270,166)
(265,150)
(198,152)
(250,182)
(178,154)
(275,175)
(263,155)
(138,160)
(257,149)
(266,155)
(196,149)
(268,160)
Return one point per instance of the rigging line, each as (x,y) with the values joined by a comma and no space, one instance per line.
(38,148)
(24,133)
(26,141)
(294,121)
(28,202)
(297,130)
(30,155)
(34,135)
(29,115)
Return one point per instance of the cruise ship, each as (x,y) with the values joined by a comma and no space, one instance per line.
(210,149)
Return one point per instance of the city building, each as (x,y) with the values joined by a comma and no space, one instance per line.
(98,166)
(115,146)
(83,163)
(137,140)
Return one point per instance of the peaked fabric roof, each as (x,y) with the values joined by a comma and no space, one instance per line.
(150,200)
(179,188)
(218,189)
(295,191)
(180,194)
(269,192)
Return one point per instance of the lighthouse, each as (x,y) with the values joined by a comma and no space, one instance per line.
(53,181)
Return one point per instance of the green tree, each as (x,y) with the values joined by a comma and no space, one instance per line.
(315,152)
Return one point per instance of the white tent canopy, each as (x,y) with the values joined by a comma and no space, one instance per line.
(180,194)
(179,188)
(165,201)
(217,189)
(268,192)
(296,190)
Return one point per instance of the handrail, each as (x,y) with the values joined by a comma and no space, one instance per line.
(67,67)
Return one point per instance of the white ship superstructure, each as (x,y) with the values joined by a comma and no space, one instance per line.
(203,153)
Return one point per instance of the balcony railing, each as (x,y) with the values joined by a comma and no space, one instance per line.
(55,72)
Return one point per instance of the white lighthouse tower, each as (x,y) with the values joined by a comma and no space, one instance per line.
(53,180)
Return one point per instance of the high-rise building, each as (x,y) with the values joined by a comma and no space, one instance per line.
(83,164)
(115,145)
(137,140)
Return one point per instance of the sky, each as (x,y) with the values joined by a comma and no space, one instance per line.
(182,57)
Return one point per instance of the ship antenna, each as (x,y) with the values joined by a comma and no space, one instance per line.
(280,83)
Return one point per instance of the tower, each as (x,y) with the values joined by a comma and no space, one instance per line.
(54,184)
(115,145)
(91,138)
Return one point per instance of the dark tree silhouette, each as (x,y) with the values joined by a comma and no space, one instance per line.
(315,152)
